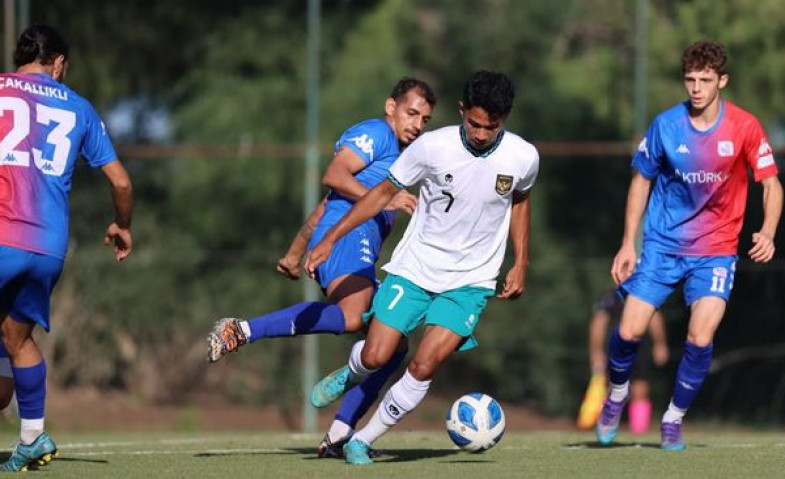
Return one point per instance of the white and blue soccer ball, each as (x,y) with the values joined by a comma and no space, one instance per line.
(475,422)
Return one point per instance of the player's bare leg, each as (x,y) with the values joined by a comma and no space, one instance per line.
(404,396)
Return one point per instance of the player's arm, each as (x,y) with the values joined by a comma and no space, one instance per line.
(289,263)
(763,241)
(598,332)
(637,198)
(658,339)
(366,208)
(520,219)
(339,175)
(119,231)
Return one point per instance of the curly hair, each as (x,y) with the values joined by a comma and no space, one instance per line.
(491,91)
(704,54)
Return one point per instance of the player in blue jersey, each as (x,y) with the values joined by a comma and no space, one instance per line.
(44,127)
(363,156)
(694,161)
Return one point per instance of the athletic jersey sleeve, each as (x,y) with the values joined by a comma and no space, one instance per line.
(648,158)
(411,166)
(97,147)
(368,140)
(526,181)
(758,153)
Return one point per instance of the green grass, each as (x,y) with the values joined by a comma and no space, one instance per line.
(428,455)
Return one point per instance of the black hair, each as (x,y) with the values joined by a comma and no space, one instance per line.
(491,91)
(39,43)
(406,84)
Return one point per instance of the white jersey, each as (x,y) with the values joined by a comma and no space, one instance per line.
(458,233)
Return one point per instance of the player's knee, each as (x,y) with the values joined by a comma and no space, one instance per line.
(353,323)
(700,339)
(422,369)
(374,357)
(630,334)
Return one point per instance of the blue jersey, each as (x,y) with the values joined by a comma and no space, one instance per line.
(375,142)
(44,126)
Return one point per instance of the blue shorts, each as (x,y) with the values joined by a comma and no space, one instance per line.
(26,283)
(658,274)
(354,254)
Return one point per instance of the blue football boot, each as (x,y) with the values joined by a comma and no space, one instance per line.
(40,452)
(331,388)
(357,453)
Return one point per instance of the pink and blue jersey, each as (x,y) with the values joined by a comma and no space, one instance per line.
(44,126)
(699,194)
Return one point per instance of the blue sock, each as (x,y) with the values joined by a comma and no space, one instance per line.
(693,369)
(30,387)
(621,357)
(359,399)
(302,318)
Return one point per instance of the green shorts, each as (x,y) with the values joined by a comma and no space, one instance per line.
(402,305)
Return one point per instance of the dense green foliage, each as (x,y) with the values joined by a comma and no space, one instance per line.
(209,230)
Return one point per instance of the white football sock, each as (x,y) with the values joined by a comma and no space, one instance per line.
(246,328)
(619,392)
(31,429)
(401,399)
(357,371)
(339,430)
(673,414)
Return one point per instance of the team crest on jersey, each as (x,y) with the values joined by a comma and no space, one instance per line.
(725,148)
(503,184)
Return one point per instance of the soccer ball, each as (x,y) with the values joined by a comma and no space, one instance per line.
(475,422)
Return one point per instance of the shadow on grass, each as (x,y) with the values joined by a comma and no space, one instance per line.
(394,455)
(620,445)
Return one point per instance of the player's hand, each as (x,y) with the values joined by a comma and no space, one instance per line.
(514,284)
(121,237)
(404,201)
(317,256)
(289,267)
(623,264)
(762,248)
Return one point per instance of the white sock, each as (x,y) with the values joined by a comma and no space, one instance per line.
(339,430)
(357,371)
(401,399)
(619,392)
(31,429)
(246,328)
(673,414)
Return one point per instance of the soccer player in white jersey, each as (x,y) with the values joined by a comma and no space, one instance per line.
(474,182)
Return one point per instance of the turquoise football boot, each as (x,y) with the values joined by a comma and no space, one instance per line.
(357,453)
(331,388)
(40,452)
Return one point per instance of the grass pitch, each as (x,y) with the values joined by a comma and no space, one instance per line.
(430,455)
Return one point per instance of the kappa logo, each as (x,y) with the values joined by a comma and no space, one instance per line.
(643,148)
(394,410)
(364,143)
(448,178)
(503,184)
(725,148)
(765,157)
(683,149)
